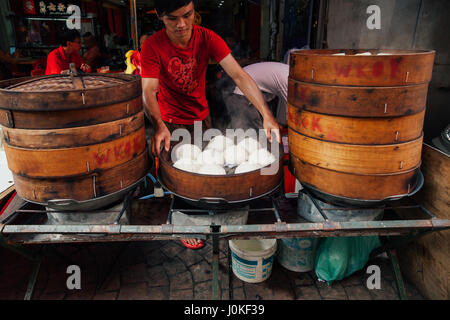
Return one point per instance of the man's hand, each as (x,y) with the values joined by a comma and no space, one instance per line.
(162,134)
(85,68)
(271,126)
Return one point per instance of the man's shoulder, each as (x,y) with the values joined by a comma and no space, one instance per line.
(203,31)
(54,52)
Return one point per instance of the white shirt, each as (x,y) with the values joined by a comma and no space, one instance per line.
(272,78)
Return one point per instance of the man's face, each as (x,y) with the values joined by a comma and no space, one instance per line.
(179,23)
(87,41)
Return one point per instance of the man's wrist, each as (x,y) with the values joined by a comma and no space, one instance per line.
(159,123)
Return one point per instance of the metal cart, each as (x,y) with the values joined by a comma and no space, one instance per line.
(273,216)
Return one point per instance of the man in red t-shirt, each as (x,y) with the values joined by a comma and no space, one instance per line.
(174,62)
(59,59)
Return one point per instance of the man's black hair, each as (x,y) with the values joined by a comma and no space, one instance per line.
(164,7)
(69,35)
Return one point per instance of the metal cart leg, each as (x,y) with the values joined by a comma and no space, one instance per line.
(215,266)
(397,273)
(230,273)
(36,259)
(33,279)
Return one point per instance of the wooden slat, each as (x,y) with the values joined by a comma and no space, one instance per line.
(6,192)
(435,195)
(358,101)
(74,161)
(73,137)
(354,186)
(356,130)
(16,203)
(357,159)
(426,262)
(403,67)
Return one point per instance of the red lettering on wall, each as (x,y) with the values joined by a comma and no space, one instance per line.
(315,124)
(342,70)
(377,69)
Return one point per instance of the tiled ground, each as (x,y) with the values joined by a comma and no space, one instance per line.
(162,270)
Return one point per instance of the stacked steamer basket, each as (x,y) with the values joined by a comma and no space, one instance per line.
(72,142)
(355,121)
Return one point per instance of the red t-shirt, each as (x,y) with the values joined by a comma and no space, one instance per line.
(57,61)
(182,72)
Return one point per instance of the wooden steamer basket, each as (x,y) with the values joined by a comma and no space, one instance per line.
(74,142)
(355,122)
(219,191)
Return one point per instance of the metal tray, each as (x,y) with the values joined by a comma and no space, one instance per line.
(360,202)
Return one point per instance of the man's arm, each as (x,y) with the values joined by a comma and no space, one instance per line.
(252,93)
(151,109)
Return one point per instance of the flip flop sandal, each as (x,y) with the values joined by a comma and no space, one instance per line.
(193,247)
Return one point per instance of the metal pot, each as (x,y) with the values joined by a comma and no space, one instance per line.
(226,191)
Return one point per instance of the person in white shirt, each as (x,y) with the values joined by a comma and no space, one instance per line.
(237,112)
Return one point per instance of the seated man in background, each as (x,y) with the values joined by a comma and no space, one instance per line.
(92,56)
(134,57)
(59,59)
(6,63)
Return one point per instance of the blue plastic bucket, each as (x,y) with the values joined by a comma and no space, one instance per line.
(297,254)
(252,260)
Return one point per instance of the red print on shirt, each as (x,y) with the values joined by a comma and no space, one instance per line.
(184,73)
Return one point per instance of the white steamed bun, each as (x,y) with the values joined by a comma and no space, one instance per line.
(220,143)
(211,156)
(186,151)
(261,157)
(250,144)
(235,155)
(247,167)
(186,165)
(211,169)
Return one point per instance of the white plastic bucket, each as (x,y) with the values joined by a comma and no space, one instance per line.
(297,254)
(252,260)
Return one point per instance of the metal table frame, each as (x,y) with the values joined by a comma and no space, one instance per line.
(408,229)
